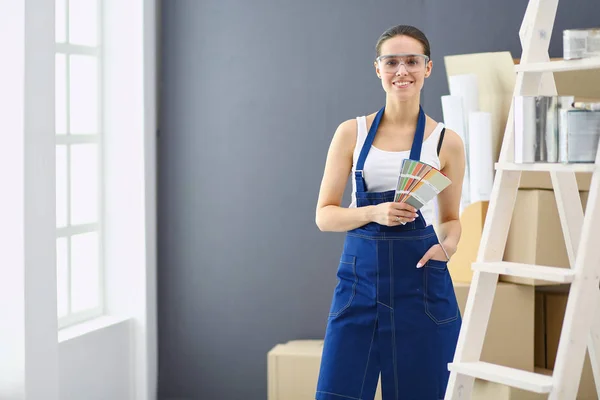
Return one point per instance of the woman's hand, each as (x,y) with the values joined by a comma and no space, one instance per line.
(393,213)
(435,252)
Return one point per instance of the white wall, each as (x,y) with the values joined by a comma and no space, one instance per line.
(97,365)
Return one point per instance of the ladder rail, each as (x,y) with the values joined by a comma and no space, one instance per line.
(582,303)
(594,345)
(570,211)
(567,193)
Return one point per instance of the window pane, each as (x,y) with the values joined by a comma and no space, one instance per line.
(62,276)
(60,86)
(85,282)
(84,184)
(61,186)
(83,22)
(61,21)
(83,102)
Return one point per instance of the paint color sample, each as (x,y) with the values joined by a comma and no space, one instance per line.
(419,183)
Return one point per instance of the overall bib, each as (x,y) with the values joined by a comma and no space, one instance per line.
(388,316)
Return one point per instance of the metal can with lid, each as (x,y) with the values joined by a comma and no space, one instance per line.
(574,43)
(592,48)
(579,133)
(581,43)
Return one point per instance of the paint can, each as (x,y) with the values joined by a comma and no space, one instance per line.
(593,43)
(579,134)
(536,127)
(581,43)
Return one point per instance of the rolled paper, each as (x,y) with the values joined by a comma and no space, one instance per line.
(480,155)
(454,119)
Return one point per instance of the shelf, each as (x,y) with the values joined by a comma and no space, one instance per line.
(549,167)
(551,274)
(525,380)
(561,65)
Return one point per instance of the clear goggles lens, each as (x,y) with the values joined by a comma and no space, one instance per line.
(412,62)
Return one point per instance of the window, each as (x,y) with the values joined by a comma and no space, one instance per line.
(79,188)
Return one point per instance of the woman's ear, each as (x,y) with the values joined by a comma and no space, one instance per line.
(377,69)
(428,70)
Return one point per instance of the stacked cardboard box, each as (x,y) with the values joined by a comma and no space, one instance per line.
(471,221)
(535,235)
(509,339)
(293,370)
(550,307)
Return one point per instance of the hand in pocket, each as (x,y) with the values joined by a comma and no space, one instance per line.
(435,252)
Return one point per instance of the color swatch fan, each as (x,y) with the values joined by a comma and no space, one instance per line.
(419,183)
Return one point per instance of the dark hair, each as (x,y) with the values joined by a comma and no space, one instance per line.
(404,30)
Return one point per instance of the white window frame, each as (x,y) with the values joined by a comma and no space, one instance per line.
(68,139)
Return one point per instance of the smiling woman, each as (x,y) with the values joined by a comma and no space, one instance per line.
(394,310)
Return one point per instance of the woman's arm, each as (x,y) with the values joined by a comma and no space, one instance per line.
(329,215)
(452,161)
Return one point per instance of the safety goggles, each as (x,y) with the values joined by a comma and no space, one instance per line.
(390,63)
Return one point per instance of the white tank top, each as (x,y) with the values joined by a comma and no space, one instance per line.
(382,168)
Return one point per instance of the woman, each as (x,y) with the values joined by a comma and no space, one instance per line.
(394,310)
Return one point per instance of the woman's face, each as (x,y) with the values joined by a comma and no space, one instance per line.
(402,67)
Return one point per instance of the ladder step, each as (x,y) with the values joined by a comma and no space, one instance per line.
(560,65)
(517,378)
(551,274)
(548,167)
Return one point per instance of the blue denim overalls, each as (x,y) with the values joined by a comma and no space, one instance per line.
(388,316)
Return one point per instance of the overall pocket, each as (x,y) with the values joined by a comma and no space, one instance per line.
(440,300)
(345,290)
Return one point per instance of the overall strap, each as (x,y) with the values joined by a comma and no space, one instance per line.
(415,154)
(415,151)
(360,163)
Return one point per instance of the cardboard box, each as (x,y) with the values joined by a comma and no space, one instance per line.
(535,235)
(293,370)
(534,229)
(587,388)
(540,335)
(471,220)
(484,390)
(583,84)
(542,180)
(552,306)
(510,329)
(509,340)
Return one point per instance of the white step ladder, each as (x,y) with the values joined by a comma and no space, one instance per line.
(581,325)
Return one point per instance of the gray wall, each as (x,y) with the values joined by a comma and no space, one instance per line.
(251,94)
